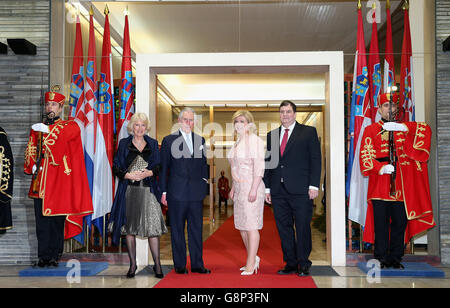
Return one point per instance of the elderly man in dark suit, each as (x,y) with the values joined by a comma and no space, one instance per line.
(183,181)
(292,177)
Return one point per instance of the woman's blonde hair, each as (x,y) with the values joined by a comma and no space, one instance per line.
(249,117)
(138,116)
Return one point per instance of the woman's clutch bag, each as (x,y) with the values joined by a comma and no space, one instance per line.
(137,164)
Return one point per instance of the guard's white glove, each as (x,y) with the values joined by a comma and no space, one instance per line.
(387,169)
(40,127)
(33,169)
(394,127)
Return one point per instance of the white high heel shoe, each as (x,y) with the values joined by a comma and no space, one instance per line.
(256,261)
(255,269)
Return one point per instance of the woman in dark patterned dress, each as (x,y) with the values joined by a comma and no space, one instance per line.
(136,210)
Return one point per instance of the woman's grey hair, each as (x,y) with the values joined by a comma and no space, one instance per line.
(185,109)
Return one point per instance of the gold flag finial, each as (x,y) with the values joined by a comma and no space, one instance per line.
(106,10)
(55,88)
(91,11)
(374,5)
(359,4)
(76,8)
(388,4)
(127,12)
(405,5)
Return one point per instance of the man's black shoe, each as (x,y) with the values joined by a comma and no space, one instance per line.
(181,270)
(201,270)
(53,262)
(397,265)
(42,263)
(287,270)
(304,270)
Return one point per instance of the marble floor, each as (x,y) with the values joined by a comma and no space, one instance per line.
(113,277)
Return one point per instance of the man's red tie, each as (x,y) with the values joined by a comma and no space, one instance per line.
(284,141)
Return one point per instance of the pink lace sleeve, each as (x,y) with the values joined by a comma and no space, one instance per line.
(258,156)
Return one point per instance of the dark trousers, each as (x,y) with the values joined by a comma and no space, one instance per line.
(289,211)
(49,232)
(192,213)
(224,200)
(390,224)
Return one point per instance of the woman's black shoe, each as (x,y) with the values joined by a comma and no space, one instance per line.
(131,273)
(158,275)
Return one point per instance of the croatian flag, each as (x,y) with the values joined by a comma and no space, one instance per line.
(76,97)
(91,94)
(103,187)
(374,70)
(389,68)
(406,74)
(356,186)
(127,88)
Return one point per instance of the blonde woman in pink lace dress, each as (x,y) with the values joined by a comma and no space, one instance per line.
(246,158)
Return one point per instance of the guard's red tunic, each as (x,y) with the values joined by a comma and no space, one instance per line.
(224,187)
(62,182)
(412,184)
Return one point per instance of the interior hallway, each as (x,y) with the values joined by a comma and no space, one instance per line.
(114,276)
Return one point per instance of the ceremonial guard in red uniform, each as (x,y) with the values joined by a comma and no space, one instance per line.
(55,157)
(6,182)
(395,216)
(224,189)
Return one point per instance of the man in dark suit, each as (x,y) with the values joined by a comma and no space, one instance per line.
(183,180)
(292,177)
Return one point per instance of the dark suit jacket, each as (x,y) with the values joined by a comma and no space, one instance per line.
(300,165)
(182,174)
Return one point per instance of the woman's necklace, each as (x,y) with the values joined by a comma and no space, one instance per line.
(139,144)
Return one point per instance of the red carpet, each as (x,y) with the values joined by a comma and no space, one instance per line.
(224,253)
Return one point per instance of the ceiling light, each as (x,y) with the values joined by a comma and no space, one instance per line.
(165,97)
(236,105)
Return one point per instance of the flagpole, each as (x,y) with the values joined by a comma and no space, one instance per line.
(106,12)
(350,224)
(361,248)
(87,225)
(104,234)
(87,238)
(360,118)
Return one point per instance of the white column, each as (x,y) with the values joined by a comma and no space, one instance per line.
(335,168)
(416,21)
